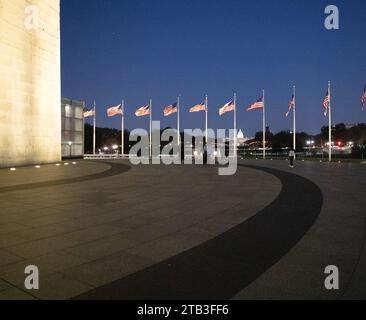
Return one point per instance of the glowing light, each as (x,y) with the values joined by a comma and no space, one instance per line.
(57,164)
(74,163)
(13,169)
(66,163)
(37,166)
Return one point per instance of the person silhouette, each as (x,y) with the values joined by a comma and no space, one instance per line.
(292,155)
(205,152)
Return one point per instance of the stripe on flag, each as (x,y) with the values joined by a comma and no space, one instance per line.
(326,103)
(113,111)
(169,110)
(257,105)
(230,106)
(143,111)
(363,98)
(291,105)
(198,108)
(89,113)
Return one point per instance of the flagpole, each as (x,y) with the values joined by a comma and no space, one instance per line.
(94,129)
(206,107)
(235,134)
(264,127)
(150,128)
(330,122)
(123,129)
(294,112)
(178,120)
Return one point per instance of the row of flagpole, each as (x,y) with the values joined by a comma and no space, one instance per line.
(229,107)
(175,108)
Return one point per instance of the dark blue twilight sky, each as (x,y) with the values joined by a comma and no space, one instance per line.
(137,49)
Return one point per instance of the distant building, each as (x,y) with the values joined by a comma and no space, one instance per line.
(241,138)
(72,128)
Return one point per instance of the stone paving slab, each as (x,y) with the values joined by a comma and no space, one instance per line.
(87,234)
(336,238)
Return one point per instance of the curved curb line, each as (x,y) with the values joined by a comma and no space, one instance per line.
(116,168)
(223,266)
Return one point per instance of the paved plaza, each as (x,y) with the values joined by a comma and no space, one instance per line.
(110,230)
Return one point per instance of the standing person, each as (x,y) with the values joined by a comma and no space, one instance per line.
(205,152)
(292,155)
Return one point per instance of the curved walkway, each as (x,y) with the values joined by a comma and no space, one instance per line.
(221,267)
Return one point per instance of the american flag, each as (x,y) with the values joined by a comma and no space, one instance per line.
(326,103)
(198,107)
(113,111)
(169,110)
(230,106)
(363,98)
(143,111)
(89,113)
(291,105)
(257,105)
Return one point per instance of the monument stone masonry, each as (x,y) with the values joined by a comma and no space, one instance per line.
(30,82)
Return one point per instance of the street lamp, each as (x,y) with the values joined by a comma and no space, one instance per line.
(115,148)
(70,145)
